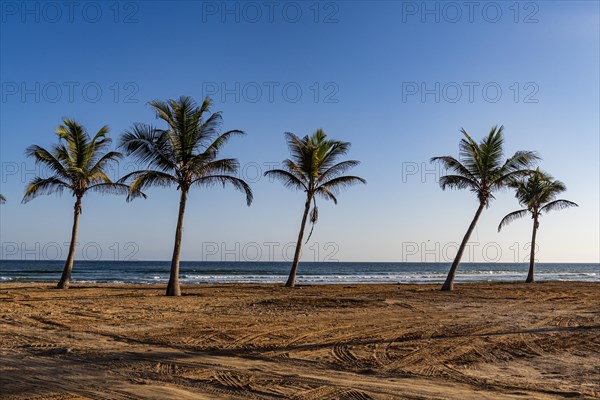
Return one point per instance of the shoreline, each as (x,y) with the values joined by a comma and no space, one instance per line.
(135,285)
(249,341)
(157,272)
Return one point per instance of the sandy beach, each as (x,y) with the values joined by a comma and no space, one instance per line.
(482,341)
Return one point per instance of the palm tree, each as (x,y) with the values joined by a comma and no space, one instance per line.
(315,170)
(78,164)
(2,199)
(537,193)
(185,155)
(480,169)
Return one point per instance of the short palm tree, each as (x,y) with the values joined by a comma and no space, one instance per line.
(2,199)
(314,169)
(481,169)
(537,193)
(78,164)
(183,154)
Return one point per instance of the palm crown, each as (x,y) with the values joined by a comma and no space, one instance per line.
(77,163)
(314,168)
(184,154)
(481,167)
(537,193)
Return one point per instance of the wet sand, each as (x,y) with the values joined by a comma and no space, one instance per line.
(482,341)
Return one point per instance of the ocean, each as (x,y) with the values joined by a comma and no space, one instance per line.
(276,272)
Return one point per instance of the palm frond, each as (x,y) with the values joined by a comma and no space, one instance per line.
(149,146)
(44,186)
(452,164)
(206,132)
(326,194)
(116,188)
(296,146)
(94,178)
(98,144)
(515,167)
(163,111)
(101,163)
(337,169)
(237,183)
(199,167)
(335,185)
(288,179)
(492,151)
(558,205)
(508,218)
(218,143)
(296,170)
(470,155)
(145,179)
(43,156)
(331,151)
(458,182)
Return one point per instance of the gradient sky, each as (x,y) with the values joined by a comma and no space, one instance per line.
(358,65)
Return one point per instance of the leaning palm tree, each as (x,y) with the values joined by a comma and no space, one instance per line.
(185,155)
(2,199)
(78,164)
(480,168)
(537,193)
(314,169)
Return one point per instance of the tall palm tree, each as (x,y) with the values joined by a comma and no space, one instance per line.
(78,164)
(481,169)
(183,154)
(537,193)
(2,199)
(314,168)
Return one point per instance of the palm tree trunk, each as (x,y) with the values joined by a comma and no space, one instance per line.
(449,284)
(65,279)
(173,288)
(532,254)
(291,282)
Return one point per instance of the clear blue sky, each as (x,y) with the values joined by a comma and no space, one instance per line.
(361,68)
